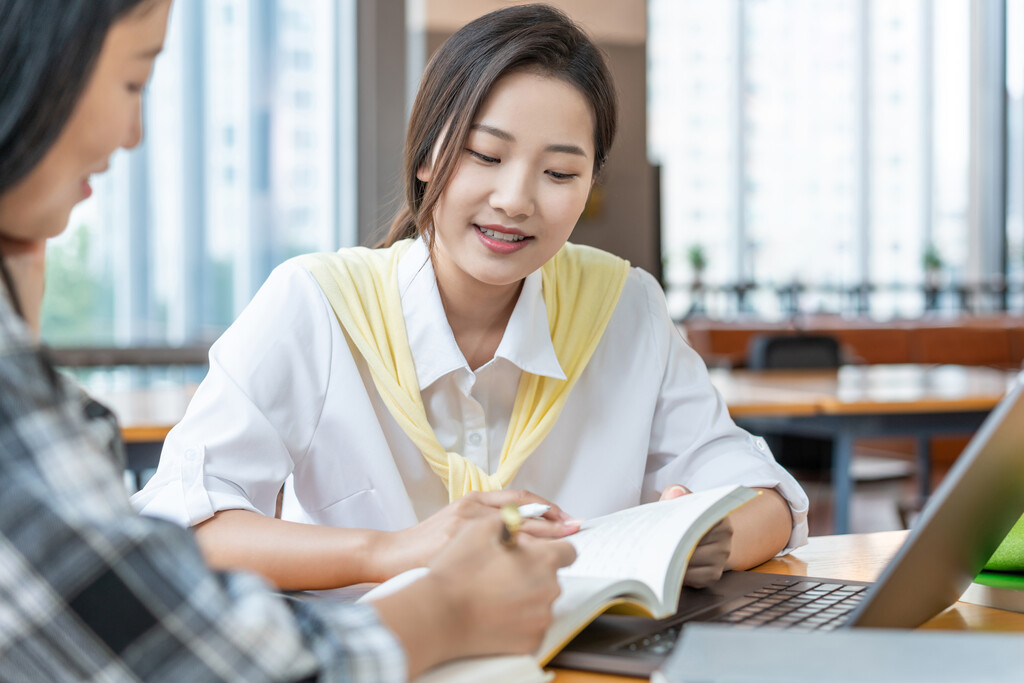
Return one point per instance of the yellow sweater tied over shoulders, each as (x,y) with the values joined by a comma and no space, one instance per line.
(581,288)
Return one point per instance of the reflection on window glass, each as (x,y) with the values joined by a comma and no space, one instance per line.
(1015,145)
(950,147)
(241,168)
(809,146)
(800,118)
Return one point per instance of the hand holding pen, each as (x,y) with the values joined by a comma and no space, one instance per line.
(415,546)
(498,599)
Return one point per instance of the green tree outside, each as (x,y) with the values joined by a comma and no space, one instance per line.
(78,306)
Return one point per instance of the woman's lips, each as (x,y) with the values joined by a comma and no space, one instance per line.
(502,240)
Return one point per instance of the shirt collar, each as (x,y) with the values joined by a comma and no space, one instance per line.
(527,339)
(526,342)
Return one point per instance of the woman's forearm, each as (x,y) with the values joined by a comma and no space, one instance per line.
(291,555)
(761,529)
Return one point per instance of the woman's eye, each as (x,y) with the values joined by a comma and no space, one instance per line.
(561,176)
(483,157)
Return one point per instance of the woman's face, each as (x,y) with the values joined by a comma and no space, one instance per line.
(520,186)
(107,116)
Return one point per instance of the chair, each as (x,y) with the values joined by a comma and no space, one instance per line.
(810,458)
(800,351)
(806,456)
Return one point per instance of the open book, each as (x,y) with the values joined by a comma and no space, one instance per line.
(632,561)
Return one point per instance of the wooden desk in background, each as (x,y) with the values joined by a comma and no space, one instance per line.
(148,414)
(921,401)
(855,557)
(857,400)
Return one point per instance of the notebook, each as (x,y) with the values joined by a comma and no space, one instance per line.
(963,523)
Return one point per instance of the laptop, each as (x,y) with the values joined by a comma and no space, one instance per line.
(963,523)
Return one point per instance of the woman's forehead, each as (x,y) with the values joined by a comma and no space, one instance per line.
(528,105)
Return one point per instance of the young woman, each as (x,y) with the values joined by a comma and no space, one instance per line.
(91,591)
(478,352)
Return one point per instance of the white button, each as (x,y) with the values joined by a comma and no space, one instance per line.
(191,455)
(761,445)
(475,438)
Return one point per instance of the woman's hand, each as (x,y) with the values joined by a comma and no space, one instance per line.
(26,262)
(710,557)
(418,545)
(479,597)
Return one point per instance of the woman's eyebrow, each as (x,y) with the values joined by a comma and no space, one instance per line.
(508,137)
(496,132)
(566,149)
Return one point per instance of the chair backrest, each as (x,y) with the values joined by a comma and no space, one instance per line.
(769,351)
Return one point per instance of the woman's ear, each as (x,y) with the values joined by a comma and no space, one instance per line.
(424,173)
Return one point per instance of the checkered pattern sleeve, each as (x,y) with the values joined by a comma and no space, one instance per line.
(90,591)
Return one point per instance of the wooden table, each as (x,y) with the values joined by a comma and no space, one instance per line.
(854,401)
(921,401)
(857,557)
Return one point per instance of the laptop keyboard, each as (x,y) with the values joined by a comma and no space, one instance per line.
(807,605)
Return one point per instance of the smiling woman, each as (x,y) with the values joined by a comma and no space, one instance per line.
(395,393)
(511,204)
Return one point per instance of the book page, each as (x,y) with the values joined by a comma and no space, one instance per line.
(640,542)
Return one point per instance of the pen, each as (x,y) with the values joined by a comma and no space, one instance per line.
(533,510)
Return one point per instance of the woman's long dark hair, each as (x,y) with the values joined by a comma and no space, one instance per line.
(459,77)
(48,49)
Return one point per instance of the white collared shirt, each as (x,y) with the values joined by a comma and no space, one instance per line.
(287,401)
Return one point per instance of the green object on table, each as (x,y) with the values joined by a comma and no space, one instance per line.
(1009,556)
(1010,580)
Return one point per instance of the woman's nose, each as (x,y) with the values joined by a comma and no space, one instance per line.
(514,193)
(133,131)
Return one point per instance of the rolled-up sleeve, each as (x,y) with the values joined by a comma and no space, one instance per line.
(695,442)
(253,417)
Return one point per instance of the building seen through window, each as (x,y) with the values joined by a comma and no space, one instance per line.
(1015,145)
(248,148)
(811,145)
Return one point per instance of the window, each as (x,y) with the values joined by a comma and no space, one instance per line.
(1015,149)
(811,146)
(235,175)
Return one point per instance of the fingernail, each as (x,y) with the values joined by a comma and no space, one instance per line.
(573,522)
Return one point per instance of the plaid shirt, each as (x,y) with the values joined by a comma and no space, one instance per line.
(91,591)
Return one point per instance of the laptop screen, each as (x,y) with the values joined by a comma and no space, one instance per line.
(965,520)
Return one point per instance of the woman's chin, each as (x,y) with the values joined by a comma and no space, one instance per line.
(57,228)
(50,226)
